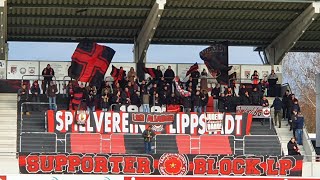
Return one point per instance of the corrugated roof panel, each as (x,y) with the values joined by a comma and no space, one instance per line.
(237,4)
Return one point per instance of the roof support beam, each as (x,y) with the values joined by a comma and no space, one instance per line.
(288,38)
(146,34)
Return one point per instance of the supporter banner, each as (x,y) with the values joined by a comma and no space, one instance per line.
(60,68)
(121,122)
(17,69)
(255,111)
(3,67)
(160,164)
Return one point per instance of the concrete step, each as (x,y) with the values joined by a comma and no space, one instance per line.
(9,160)
(7,142)
(8,112)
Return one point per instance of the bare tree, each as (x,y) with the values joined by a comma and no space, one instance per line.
(299,70)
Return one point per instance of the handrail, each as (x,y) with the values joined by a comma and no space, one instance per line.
(39,77)
(31,103)
(20,137)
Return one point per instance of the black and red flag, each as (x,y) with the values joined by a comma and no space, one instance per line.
(150,71)
(117,74)
(90,62)
(216,59)
(192,68)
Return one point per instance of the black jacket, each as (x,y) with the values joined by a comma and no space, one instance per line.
(204,99)
(169,75)
(135,100)
(158,74)
(221,104)
(197,100)
(215,92)
(277,104)
(245,100)
(256,98)
(265,103)
(291,150)
(285,99)
(187,102)
(145,135)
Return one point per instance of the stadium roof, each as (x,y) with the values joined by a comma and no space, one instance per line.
(193,22)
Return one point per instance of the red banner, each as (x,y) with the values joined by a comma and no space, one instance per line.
(160,164)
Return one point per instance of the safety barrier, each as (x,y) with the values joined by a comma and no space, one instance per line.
(32,103)
(109,143)
(134,108)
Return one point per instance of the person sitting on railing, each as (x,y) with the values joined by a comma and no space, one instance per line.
(203,80)
(246,99)
(169,75)
(51,94)
(204,100)
(47,74)
(131,75)
(35,91)
(293,148)
(277,105)
(255,79)
(298,127)
(272,79)
(23,96)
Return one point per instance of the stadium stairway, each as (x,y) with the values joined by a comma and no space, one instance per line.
(8,133)
(283,133)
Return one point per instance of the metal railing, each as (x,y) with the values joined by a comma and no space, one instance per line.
(88,148)
(32,103)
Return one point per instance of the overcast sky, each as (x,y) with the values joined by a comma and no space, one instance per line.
(156,53)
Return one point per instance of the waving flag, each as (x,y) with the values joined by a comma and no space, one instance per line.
(117,74)
(216,59)
(90,62)
(150,71)
(181,91)
(192,68)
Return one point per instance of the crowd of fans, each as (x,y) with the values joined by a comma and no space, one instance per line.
(157,91)
(161,91)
